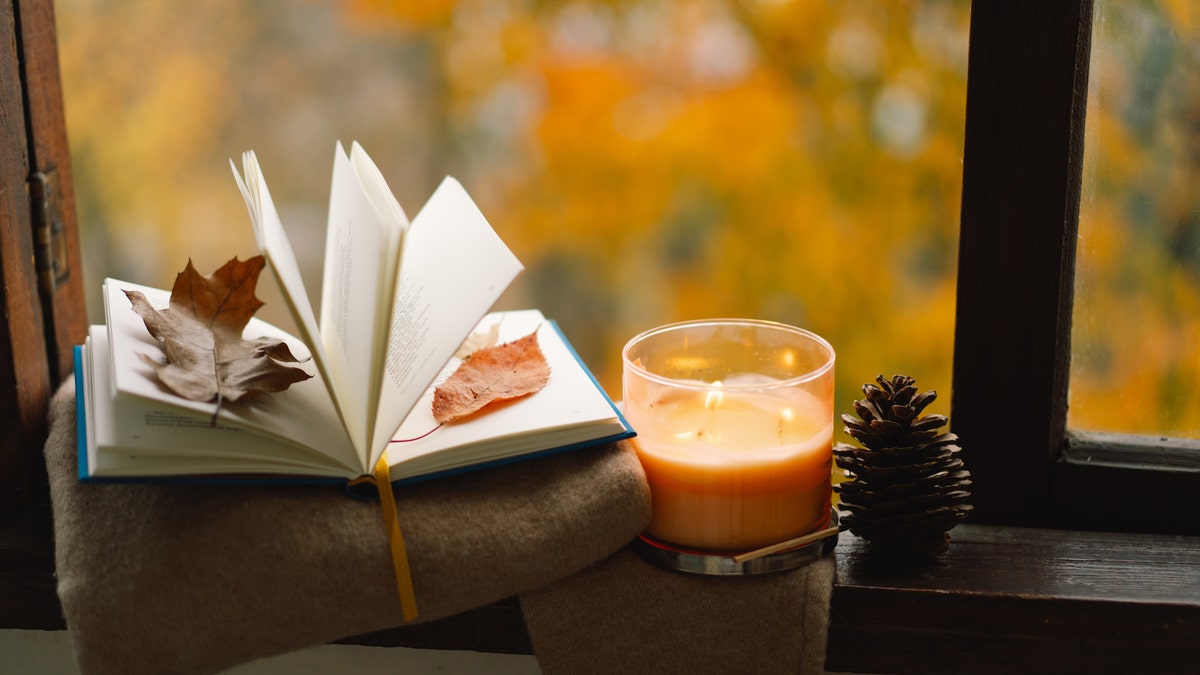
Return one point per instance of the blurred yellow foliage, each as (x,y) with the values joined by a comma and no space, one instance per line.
(1135,359)
(649,161)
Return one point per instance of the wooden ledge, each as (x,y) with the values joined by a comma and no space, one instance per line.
(1005,600)
(1001,600)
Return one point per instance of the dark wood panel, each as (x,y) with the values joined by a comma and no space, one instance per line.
(1005,600)
(1119,486)
(1160,452)
(982,636)
(24,376)
(27,584)
(1026,95)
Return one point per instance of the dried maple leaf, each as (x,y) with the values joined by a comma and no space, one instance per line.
(201,334)
(491,375)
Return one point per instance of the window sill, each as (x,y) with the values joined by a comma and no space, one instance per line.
(1006,599)
(1000,600)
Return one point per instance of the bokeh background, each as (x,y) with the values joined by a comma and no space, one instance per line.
(649,161)
(1136,340)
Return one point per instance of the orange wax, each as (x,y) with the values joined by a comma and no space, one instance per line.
(736,471)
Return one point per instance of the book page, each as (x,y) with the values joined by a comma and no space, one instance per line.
(389,209)
(570,409)
(361,250)
(303,414)
(273,243)
(453,268)
(133,436)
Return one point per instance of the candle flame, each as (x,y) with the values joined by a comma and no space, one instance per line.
(785,417)
(714,397)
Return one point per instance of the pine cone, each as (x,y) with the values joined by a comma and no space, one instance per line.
(907,487)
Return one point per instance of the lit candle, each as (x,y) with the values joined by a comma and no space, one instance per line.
(739,462)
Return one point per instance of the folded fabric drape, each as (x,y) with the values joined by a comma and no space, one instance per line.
(185,578)
(625,615)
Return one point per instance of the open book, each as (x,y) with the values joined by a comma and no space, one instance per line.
(398,300)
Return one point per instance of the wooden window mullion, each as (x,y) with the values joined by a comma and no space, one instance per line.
(1026,98)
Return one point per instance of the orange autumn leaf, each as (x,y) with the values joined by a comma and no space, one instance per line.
(491,375)
(200,333)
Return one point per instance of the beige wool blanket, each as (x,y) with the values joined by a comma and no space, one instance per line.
(158,578)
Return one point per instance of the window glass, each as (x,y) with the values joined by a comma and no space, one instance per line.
(648,161)
(1136,334)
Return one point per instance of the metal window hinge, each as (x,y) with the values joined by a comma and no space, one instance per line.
(49,232)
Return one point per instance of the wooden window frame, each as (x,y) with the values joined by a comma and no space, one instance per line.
(1027,86)
(1025,587)
(40,322)
(1011,594)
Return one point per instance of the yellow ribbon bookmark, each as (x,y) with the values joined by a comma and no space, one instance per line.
(381,479)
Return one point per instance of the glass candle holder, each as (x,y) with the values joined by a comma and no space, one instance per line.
(735,429)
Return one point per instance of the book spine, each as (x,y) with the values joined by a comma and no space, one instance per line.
(80,416)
